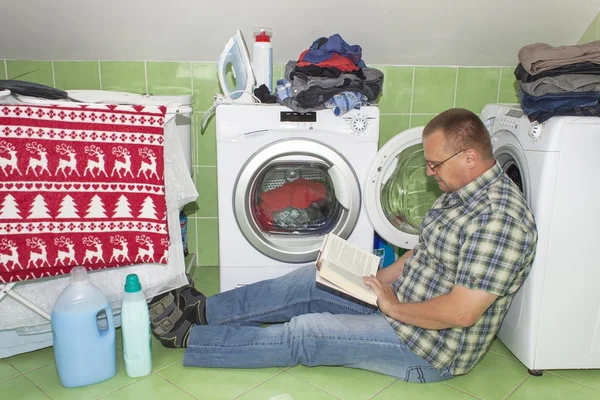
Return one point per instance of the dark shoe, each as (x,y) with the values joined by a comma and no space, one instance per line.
(163,305)
(173,331)
(173,314)
(193,304)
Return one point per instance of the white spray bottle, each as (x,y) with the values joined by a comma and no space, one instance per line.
(262,57)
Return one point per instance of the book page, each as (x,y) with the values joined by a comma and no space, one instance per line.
(348,276)
(347,282)
(349,257)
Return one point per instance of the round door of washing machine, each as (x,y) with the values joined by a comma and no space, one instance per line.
(398,192)
(292,192)
(507,149)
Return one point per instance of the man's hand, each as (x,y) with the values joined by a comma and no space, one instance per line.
(386,297)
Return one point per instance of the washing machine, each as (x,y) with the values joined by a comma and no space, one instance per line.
(554,319)
(286,179)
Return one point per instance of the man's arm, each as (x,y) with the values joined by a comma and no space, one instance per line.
(462,307)
(392,272)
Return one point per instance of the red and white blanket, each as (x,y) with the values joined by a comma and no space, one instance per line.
(80,185)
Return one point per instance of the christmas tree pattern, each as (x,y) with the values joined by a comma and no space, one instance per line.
(96,208)
(68,208)
(148,209)
(9,208)
(122,208)
(39,209)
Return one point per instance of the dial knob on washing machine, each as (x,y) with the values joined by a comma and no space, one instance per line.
(359,124)
(535,130)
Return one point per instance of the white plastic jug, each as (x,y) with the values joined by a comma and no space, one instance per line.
(83,332)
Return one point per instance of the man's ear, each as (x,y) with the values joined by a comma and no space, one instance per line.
(472,157)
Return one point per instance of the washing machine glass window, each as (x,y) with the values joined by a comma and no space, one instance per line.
(408,193)
(292,192)
(294,198)
(510,156)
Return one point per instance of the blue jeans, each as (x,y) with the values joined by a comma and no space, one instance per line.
(309,326)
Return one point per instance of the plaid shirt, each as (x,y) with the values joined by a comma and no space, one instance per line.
(483,237)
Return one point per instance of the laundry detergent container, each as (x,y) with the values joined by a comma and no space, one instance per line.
(179,111)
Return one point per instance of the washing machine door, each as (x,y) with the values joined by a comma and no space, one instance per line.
(398,192)
(291,193)
(511,157)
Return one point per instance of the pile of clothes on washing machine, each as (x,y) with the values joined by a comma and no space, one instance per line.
(329,74)
(557,81)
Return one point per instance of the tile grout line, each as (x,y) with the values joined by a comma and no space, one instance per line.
(460,390)
(406,114)
(36,368)
(382,389)
(174,384)
(192,79)
(499,85)
(53,74)
(100,74)
(505,356)
(34,384)
(517,387)
(5,69)
(311,384)
(146,75)
(412,96)
(570,380)
(258,384)
(196,237)
(455,88)
(124,386)
(12,377)
(169,365)
(598,27)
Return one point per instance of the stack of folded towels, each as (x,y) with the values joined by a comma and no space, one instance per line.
(329,74)
(557,81)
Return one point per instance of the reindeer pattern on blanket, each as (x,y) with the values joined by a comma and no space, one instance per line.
(80,185)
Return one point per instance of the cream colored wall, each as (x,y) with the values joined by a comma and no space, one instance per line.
(391,32)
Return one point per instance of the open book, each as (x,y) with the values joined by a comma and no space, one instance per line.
(341,266)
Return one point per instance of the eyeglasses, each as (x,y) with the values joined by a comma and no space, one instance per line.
(434,166)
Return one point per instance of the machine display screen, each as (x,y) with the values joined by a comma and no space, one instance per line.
(292,116)
(514,113)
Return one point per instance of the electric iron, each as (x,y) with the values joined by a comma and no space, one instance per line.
(236,54)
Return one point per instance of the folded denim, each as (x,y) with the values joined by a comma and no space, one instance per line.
(552,102)
(540,116)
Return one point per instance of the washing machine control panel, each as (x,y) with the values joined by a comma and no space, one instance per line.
(358,124)
(511,119)
(363,123)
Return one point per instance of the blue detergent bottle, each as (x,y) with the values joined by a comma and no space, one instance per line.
(384,251)
(83,331)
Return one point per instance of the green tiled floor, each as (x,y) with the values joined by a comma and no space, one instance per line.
(499,376)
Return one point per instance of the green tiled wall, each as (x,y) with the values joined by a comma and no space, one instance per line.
(412,95)
(592,33)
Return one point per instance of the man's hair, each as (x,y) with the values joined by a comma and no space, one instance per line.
(463,130)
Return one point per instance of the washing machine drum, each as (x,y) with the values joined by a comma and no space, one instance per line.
(409,193)
(295,199)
